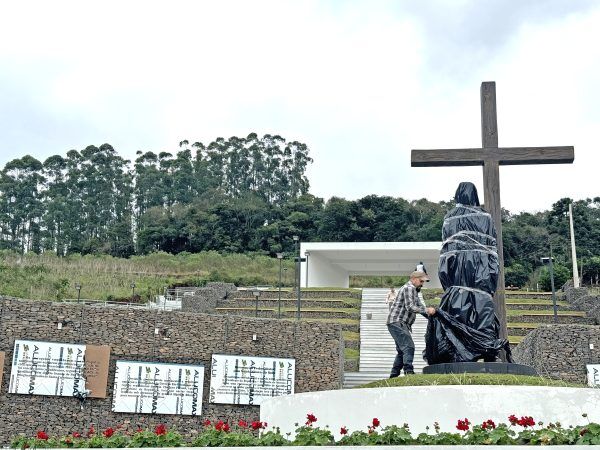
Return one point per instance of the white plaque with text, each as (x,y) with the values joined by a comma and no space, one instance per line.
(158,388)
(47,368)
(248,380)
(593,375)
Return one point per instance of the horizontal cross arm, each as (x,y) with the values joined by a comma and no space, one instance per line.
(504,156)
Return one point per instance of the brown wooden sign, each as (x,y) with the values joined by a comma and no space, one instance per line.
(96,369)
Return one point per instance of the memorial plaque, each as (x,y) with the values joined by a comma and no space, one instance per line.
(248,380)
(593,375)
(158,388)
(47,368)
(97,358)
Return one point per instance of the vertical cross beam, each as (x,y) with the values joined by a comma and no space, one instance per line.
(491,189)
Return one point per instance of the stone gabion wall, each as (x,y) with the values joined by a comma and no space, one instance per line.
(560,351)
(582,300)
(183,338)
(204,299)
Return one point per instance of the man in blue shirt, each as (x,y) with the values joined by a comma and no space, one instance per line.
(401,318)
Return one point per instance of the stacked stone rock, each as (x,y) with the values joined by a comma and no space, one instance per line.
(183,337)
(563,351)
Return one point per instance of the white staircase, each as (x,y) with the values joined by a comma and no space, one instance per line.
(377,348)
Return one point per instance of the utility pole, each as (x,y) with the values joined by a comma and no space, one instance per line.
(573,251)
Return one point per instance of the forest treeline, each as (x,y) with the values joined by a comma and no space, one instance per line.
(240,195)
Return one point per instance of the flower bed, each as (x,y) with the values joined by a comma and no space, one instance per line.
(517,431)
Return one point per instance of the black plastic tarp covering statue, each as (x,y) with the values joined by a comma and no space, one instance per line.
(465,327)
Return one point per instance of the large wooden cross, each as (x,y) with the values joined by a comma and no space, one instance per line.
(490,156)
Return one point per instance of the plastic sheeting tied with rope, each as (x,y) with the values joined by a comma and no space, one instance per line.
(465,327)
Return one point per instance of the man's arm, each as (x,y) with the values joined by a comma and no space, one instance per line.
(413,302)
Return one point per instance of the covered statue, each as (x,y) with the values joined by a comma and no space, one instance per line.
(466,328)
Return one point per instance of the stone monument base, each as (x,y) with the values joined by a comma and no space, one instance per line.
(480,367)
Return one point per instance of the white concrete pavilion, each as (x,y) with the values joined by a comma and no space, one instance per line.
(330,264)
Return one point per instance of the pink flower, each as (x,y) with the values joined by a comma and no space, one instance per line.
(463,425)
(91,431)
(42,435)
(76,434)
(343,430)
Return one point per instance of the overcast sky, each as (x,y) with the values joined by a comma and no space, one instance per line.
(360,82)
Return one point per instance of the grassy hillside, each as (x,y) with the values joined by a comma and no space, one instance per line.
(104,277)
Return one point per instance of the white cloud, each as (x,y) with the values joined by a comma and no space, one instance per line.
(360,82)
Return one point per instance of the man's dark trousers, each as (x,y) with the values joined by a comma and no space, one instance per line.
(405,347)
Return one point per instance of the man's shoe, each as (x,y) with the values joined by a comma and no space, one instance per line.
(410,372)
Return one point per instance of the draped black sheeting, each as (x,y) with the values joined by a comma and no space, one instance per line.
(466,327)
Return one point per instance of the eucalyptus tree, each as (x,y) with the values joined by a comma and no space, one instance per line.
(20,204)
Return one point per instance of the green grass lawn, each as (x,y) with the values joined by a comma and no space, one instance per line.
(469,378)
(521,312)
(522,325)
(351,353)
(351,335)
(533,301)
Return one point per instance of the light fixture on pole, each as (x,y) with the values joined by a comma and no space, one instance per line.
(132,286)
(280,258)
(296,240)
(256,294)
(548,260)
(306,255)
(78,288)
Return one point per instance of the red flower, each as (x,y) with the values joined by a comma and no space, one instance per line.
(463,425)
(91,431)
(206,423)
(108,432)
(160,429)
(488,425)
(243,424)
(513,419)
(226,427)
(310,419)
(42,435)
(343,430)
(256,425)
(219,425)
(526,421)
(139,430)
(376,422)
(76,434)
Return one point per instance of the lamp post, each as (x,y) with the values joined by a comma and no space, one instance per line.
(132,286)
(78,287)
(256,294)
(285,275)
(306,255)
(548,260)
(296,240)
(280,258)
